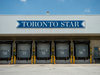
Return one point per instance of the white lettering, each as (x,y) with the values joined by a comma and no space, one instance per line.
(23,24)
(50,23)
(36,24)
(31,24)
(66,24)
(45,24)
(78,24)
(40,24)
(27,24)
(72,24)
(75,24)
(55,23)
(62,24)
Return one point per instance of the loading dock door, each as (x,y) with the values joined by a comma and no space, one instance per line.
(81,50)
(5,50)
(62,50)
(23,50)
(96,52)
(43,50)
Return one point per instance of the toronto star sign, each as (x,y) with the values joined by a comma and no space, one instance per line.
(51,24)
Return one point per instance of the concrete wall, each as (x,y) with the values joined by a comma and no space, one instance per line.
(95,43)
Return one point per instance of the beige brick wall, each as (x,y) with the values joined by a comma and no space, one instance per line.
(95,43)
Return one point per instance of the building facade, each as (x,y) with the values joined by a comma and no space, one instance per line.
(49,39)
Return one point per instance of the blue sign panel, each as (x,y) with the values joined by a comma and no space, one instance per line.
(51,24)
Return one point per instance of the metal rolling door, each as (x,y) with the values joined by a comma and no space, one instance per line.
(81,50)
(43,50)
(23,50)
(96,52)
(5,50)
(62,50)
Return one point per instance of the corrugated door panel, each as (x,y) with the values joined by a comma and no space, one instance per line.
(62,50)
(23,50)
(43,50)
(96,52)
(81,50)
(5,50)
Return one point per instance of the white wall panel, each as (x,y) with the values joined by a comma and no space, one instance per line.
(8,24)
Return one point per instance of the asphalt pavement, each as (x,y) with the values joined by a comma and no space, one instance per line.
(50,69)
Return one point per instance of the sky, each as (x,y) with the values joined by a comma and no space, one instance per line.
(55,7)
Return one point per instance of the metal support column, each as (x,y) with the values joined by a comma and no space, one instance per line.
(54,60)
(52,54)
(34,52)
(14,54)
(73,52)
(71,57)
(91,55)
(34,55)
(31,59)
(11,59)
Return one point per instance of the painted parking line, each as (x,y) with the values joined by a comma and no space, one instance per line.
(78,65)
(50,65)
(23,66)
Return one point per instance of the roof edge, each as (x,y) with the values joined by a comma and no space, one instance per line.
(52,15)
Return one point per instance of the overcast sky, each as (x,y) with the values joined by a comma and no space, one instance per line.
(55,7)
